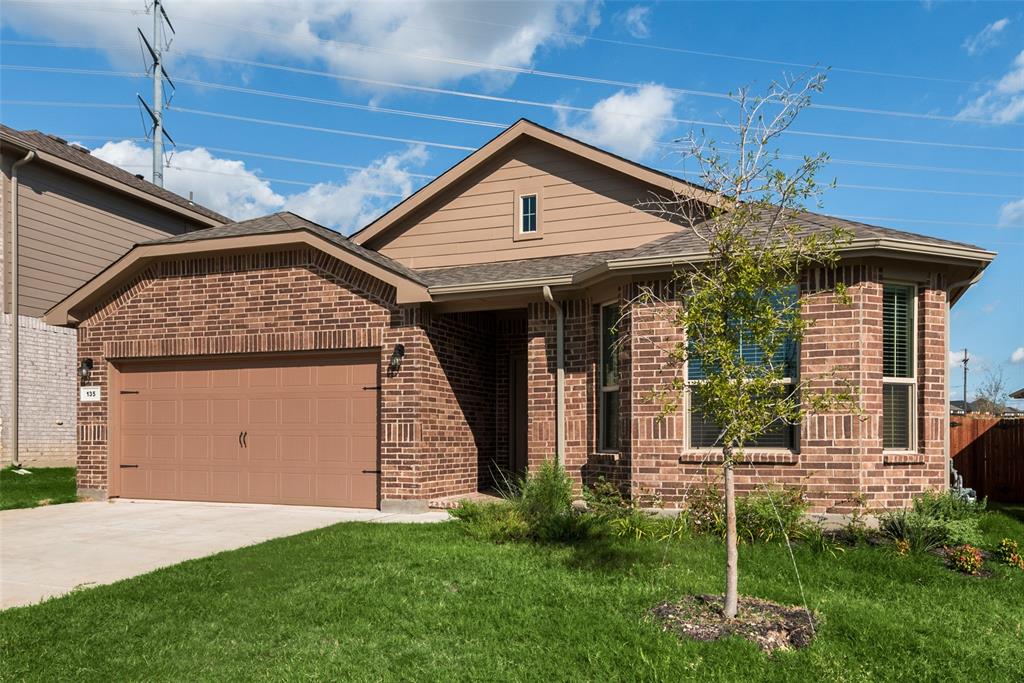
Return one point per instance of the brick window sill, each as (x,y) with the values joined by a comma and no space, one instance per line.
(749,458)
(902,459)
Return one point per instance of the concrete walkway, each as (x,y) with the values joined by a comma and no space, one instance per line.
(51,550)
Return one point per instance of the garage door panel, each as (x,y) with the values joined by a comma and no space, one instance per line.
(195,484)
(195,412)
(297,411)
(336,412)
(309,430)
(225,411)
(262,447)
(163,412)
(263,411)
(135,412)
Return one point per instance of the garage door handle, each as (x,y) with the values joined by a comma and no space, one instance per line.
(125,467)
(245,439)
(371,471)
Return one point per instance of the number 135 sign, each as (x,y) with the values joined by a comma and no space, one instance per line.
(89,394)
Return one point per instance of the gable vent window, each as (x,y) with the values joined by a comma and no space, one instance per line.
(528,213)
(899,359)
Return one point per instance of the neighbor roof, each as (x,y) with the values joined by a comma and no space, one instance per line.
(81,158)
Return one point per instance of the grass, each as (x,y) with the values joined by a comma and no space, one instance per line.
(45,486)
(409,602)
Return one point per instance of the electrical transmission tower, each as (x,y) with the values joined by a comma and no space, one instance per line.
(156,69)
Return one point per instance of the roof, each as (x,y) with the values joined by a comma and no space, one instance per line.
(81,158)
(524,128)
(511,271)
(286,221)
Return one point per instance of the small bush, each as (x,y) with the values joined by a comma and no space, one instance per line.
(819,542)
(706,510)
(965,558)
(947,506)
(500,522)
(769,514)
(1008,552)
(912,532)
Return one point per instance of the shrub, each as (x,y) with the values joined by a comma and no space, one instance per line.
(912,532)
(965,558)
(947,506)
(1008,552)
(500,522)
(768,514)
(819,542)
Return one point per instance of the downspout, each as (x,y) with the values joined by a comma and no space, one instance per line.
(966,284)
(15,460)
(559,376)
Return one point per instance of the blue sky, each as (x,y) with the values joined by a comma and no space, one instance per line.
(950,75)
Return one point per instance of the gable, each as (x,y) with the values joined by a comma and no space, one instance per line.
(581,207)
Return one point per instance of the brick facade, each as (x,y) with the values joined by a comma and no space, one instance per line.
(840,457)
(47,393)
(445,415)
(302,300)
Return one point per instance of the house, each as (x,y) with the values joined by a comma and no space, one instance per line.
(471,329)
(75,215)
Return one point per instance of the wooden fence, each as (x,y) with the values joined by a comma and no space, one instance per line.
(988,452)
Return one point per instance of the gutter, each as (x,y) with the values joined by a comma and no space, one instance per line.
(559,376)
(966,284)
(16,323)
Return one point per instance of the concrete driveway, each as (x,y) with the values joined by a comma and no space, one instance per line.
(49,551)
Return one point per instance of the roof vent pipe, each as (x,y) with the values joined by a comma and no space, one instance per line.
(559,376)
(15,323)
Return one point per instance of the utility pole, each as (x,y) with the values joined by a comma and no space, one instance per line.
(156,112)
(964,363)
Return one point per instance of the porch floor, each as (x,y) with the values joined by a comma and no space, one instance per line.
(451,502)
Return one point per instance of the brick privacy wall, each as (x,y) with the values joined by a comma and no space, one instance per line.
(297,300)
(840,458)
(48,393)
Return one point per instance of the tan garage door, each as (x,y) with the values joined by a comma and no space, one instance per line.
(283,430)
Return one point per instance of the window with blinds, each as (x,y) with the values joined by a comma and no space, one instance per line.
(899,358)
(609,423)
(704,433)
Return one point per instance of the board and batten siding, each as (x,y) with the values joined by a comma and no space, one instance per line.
(70,230)
(583,208)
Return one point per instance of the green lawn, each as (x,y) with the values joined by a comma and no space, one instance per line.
(410,602)
(45,486)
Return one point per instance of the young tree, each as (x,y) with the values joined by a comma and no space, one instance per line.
(992,394)
(740,307)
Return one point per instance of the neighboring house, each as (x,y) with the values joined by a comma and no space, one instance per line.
(957,408)
(76,215)
(274,360)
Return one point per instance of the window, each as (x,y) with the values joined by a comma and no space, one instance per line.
(527,213)
(609,378)
(899,358)
(704,433)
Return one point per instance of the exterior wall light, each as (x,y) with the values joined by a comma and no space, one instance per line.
(396,358)
(84,368)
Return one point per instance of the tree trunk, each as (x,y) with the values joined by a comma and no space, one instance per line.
(731,551)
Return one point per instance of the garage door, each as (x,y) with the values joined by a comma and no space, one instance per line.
(284,430)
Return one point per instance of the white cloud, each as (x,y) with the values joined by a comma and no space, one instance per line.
(1018,355)
(634,20)
(329,33)
(956,357)
(627,123)
(986,37)
(229,187)
(1003,102)
(1011,214)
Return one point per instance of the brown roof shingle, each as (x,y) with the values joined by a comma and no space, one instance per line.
(41,142)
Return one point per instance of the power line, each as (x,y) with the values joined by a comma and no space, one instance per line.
(595,80)
(550,74)
(495,98)
(497,125)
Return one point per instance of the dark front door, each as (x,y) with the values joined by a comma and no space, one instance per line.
(518,418)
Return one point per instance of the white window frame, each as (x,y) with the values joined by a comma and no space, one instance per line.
(911,382)
(603,389)
(520,216)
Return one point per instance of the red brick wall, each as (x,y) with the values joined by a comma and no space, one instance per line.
(299,300)
(840,455)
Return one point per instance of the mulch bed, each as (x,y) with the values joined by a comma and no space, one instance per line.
(769,625)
